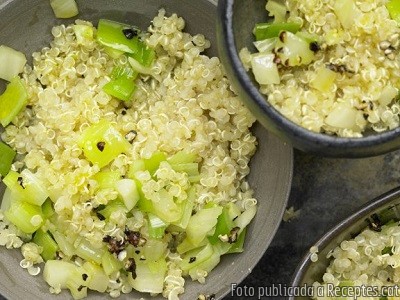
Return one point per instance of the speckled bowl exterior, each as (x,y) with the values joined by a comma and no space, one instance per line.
(236,20)
(308,272)
(25,25)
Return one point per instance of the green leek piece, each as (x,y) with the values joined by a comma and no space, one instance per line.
(224,226)
(25,216)
(192,169)
(393,6)
(121,88)
(265,69)
(102,143)
(182,157)
(208,265)
(201,223)
(137,165)
(76,284)
(166,209)
(149,276)
(186,245)
(44,240)
(64,9)
(111,34)
(97,279)
(83,33)
(119,72)
(144,56)
(110,263)
(187,209)
(26,187)
(264,31)
(195,257)
(12,101)
(65,246)
(138,67)
(8,198)
(113,206)
(156,226)
(57,272)
(238,246)
(128,191)
(277,9)
(47,209)
(153,163)
(154,250)
(7,156)
(245,218)
(12,62)
(144,204)
(113,53)
(107,179)
(86,251)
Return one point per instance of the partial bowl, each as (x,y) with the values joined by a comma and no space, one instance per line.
(25,25)
(236,20)
(383,208)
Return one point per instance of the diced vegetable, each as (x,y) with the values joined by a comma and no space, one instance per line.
(186,245)
(119,72)
(191,169)
(166,209)
(137,165)
(342,116)
(76,284)
(347,12)
(121,88)
(182,157)
(57,272)
(153,163)
(294,50)
(12,62)
(113,206)
(64,9)
(323,80)
(389,93)
(238,246)
(110,263)
(12,100)
(264,31)
(276,9)
(8,198)
(195,257)
(47,209)
(26,187)
(96,279)
(201,223)
(265,46)
(113,53)
(111,34)
(25,216)
(154,249)
(156,226)
(264,69)
(107,179)
(102,143)
(83,33)
(88,252)
(245,218)
(393,7)
(138,67)
(65,246)
(49,246)
(224,226)
(148,280)
(128,192)
(208,265)
(187,209)
(7,156)
(144,56)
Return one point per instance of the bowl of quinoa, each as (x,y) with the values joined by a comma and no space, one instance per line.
(322,75)
(182,135)
(357,258)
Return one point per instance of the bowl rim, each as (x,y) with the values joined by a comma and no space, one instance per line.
(370,207)
(225,13)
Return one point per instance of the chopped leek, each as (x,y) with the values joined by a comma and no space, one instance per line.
(393,6)
(144,56)
(12,62)
(201,223)
(238,246)
(182,157)
(113,206)
(113,53)
(25,216)
(137,165)
(97,279)
(224,226)
(86,251)
(266,46)
(44,240)
(57,272)
(128,191)
(12,100)
(26,187)
(107,179)
(195,257)
(186,245)
(65,246)
(149,280)
(6,158)
(347,12)
(111,34)
(264,31)
(276,9)
(166,209)
(64,9)
(121,88)
(187,209)
(155,249)
(156,226)
(153,163)
(8,198)
(264,69)
(342,116)
(119,72)
(323,80)
(83,33)
(102,143)
(47,208)
(138,67)
(245,218)
(294,50)
(110,263)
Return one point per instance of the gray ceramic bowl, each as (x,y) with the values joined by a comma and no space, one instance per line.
(25,25)
(236,20)
(383,208)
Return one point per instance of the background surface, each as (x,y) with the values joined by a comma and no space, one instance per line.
(327,191)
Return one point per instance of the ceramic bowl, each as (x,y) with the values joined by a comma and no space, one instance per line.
(25,25)
(236,20)
(383,208)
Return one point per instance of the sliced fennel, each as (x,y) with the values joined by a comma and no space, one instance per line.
(12,62)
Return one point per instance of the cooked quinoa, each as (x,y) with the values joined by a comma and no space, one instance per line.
(357,47)
(371,259)
(186,104)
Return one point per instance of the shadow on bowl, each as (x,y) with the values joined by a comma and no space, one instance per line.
(236,20)
(378,211)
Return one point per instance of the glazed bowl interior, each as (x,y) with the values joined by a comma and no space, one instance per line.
(25,25)
(383,208)
(236,20)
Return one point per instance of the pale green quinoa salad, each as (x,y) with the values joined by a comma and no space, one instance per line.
(330,66)
(131,156)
